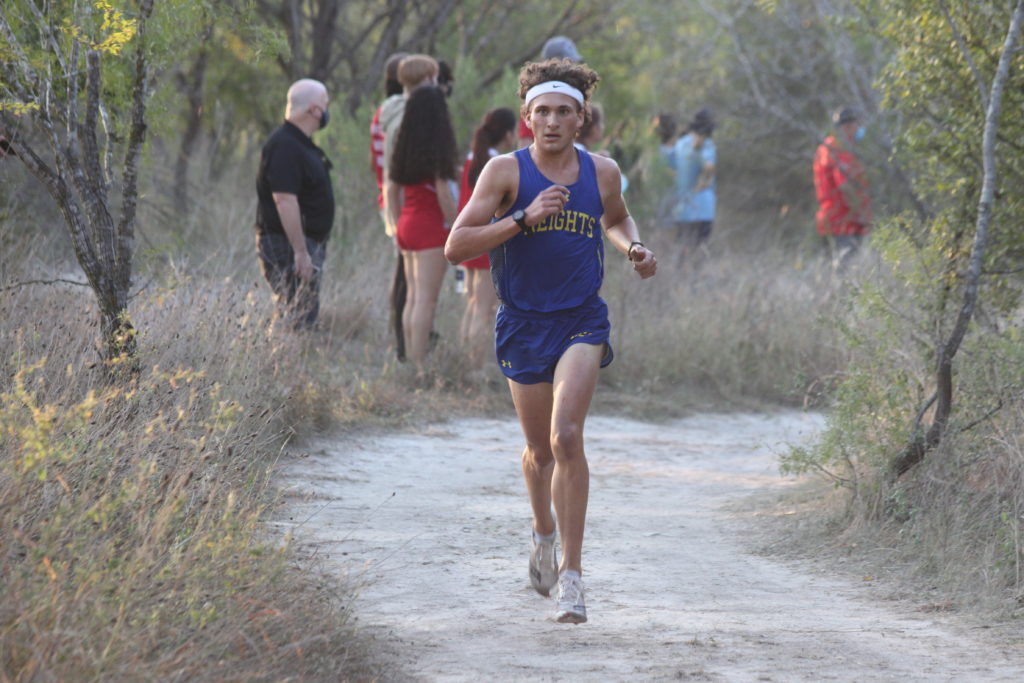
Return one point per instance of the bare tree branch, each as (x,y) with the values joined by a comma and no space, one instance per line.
(962,44)
(988,186)
(136,136)
(88,130)
(534,48)
(57,281)
(395,15)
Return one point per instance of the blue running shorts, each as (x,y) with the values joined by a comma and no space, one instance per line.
(529,344)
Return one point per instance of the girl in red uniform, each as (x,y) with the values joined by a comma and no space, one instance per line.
(422,206)
(495,135)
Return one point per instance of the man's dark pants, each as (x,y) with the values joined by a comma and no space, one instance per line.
(296,301)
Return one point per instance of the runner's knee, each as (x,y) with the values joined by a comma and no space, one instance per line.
(537,455)
(566,440)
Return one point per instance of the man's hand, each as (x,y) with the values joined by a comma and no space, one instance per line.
(304,265)
(548,203)
(644,262)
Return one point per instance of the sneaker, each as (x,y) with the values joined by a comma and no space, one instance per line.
(543,566)
(571,609)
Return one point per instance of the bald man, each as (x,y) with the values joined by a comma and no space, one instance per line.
(295,208)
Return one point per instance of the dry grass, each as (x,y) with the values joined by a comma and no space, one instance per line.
(742,329)
(948,534)
(953,539)
(132,544)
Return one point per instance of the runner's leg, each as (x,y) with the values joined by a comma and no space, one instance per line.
(573,388)
(533,406)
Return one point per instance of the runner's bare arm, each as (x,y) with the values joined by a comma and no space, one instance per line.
(474,233)
(618,224)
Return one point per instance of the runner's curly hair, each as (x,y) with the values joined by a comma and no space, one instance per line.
(579,76)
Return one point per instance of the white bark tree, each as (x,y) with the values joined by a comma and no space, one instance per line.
(991,101)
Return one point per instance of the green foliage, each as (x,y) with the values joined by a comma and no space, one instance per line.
(931,83)
(19,108)
(882,403)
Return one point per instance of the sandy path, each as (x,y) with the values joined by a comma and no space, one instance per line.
(438,526)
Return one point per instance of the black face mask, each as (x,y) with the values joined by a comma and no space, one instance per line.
(324,118)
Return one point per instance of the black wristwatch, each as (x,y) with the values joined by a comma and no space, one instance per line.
(519,216)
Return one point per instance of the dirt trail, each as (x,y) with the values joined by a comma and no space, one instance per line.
(437,524)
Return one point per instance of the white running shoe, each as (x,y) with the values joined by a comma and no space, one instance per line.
(571,609)
(543,566)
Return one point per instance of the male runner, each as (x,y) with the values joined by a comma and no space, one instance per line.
(537,212)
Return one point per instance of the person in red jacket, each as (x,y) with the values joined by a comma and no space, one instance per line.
(844,213)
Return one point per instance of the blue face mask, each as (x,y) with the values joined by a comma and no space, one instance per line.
(325,117)
(859,135)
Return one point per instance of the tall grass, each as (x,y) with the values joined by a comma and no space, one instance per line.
(132,543)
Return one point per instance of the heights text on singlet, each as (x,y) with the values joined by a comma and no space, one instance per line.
(561,264)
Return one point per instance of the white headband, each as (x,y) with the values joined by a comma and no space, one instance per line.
(553,86)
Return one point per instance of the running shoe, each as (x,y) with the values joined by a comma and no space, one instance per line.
(543,566)
(571,609)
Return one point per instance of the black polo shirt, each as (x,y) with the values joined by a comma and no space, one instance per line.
(291,163)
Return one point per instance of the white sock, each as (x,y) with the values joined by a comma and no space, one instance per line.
(549,538)
(571,572)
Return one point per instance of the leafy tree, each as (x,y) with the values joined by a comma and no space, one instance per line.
(77,82)
(345,44)
(961,91)
(936,346)
(76,79)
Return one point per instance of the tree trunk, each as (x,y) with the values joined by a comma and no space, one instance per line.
(191,85)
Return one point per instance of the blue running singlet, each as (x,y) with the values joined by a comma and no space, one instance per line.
(560,265)
(548,281)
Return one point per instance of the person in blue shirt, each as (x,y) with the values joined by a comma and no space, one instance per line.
(540,212)
(692,157)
